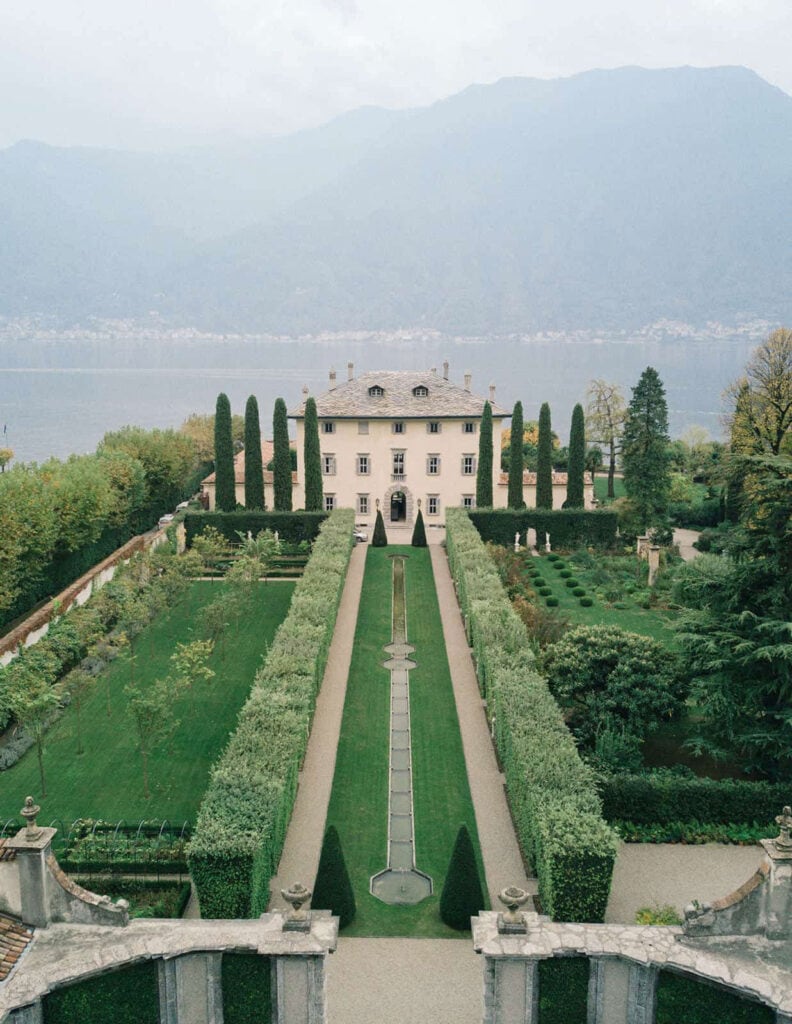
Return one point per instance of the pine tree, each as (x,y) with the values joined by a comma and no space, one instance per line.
(379,539)
(254,471)
(333,888)
(225,485)
(516,461)
(281,470)
(576,463)
(544,460)
(419,532)
(645,461)
(312,460)
(462,897)
(484,472)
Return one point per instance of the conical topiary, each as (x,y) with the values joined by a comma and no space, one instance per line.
(462,897)
(379,538)
(333,888)
(419,532)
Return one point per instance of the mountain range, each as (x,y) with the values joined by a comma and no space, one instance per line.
(608,199)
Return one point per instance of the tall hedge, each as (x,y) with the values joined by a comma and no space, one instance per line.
(568,527)
(225,487)
(544,460)
(127,995)
(552,792)
(281,469)
(576,463)
(312,460)
(292,527)
(245,812)
(516,460)
(484,469)
(254,471)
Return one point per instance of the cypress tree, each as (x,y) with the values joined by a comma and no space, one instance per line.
(484,472)
(462,897)
(379,539)
(312,460)
(254,471)
(516,461)
(544,460)
(576,464)
(419,532)
(281,470)
(333,888)
(225,488)
(645,460)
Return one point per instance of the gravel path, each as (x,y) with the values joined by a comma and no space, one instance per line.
(300,858)
(684,539)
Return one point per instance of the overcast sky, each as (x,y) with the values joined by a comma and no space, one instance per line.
(156,73)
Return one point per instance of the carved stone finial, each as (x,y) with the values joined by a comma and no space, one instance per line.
(29,812)
(513,899)
(784,822)
(298,919)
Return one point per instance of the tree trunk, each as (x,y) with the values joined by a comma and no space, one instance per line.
(612,470)
(146,793)
(40,754)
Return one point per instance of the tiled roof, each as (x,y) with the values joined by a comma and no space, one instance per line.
(267,455)
(351,398)
(14,939)
(529,479)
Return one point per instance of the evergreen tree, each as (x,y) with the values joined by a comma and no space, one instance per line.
(645,461)
(462,897)
(254,472)
(516,460)
(419,532)
(484,473)
(544,460)
(333,888)
(281,470)
(576,464)
(312,459)
(379,538)
(225,489)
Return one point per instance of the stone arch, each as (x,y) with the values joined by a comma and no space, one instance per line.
(409,511)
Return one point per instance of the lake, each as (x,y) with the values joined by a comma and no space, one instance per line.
(60,394)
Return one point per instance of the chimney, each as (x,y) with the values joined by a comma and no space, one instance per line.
(492,394)
(433,371)
(350,371)
(468,379)
(445,370)
(305,391)
(332,379)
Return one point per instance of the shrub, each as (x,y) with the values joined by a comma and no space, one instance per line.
(586,602)
(552,792)
(563,990)
(291,527)
(247,988)
(657,915)
(332,888)
(379,538)
(565,574)
(682,998)
(551,602)
(545,591)
(572,582)
(462,897)
(419,532)
(568,527)
(553,557)
(129,995)
(579,592)
(243,818)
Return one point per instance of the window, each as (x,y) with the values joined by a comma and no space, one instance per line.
(398,427)
(432,504)
(375,391)
(363,465)
(468,465)
(328,465)
(421,391)
(328,427)
(467,501)
(329,502)
(363,504)
(362,426)
(433,427)
(468,427)
(398,464)
(433,465)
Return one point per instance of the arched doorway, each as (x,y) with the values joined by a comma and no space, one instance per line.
(398,507)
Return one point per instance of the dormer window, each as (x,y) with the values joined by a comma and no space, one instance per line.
(376,391)
(420,391)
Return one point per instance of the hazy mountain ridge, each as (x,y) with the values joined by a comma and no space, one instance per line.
(613,198)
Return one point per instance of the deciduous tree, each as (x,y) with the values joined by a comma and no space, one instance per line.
(151,710)
(32,705)
(605,416)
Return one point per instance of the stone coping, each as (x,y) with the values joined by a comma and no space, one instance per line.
(757,966)
(66,953)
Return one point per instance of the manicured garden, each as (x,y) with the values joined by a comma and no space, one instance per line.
(359,801)
(106,780)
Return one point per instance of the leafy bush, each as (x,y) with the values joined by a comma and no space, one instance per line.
(551,602)
(694,833)
(657,915)
(565,574)
(553,797)
(563,990)
(291,527)
(545,591)
(579,592)
(568,528)
(247,988)
(245,812)
(572,582)
(129,995)
(586,602)
(682,998)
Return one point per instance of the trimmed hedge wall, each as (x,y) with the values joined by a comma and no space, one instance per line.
(563,990)
(129,995)
(553,796)
(568,527)
(245,812)
(247,988)
(662,798)
(684,999)
(291,526)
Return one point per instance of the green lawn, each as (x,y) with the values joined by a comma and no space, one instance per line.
(441,797)
(106,781)
(601,488)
